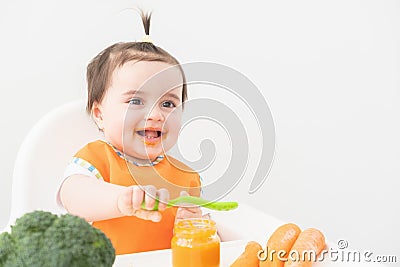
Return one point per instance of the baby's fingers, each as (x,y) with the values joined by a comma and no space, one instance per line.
(125,202)
(150,196)
(149,215)
(163,196)
(137,197)
(193,212)
(184,193)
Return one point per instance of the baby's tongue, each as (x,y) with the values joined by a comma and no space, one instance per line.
(150,133)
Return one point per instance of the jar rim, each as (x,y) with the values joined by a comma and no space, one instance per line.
(194,225)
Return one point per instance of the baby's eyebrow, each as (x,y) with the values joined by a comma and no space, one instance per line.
(173,96)
(132,92)
(138,92)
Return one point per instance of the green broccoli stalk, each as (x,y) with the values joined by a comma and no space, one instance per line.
(43,239)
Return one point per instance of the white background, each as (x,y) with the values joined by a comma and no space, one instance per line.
(328,69)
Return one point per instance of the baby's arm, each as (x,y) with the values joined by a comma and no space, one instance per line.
(96,200)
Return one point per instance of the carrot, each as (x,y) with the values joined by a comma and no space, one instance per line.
(279,245)
(310,240)
(249,257)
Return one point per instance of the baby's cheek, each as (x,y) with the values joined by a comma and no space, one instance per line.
(173,133)
(174,119)
(173,136)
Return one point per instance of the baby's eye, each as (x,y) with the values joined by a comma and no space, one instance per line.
(135,101)
(168,104)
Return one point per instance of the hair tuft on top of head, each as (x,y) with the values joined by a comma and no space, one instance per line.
(100,70)
(146,17)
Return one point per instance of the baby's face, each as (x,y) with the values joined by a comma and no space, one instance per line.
(141,111)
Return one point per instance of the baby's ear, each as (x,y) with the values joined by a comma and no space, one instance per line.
(97,116)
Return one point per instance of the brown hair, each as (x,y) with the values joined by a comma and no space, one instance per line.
(100,69)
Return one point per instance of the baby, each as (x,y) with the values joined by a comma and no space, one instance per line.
(136,92)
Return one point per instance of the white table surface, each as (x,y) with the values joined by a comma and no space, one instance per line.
(236,229)
(229,252)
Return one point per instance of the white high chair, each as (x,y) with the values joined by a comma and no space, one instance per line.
(50,145)
(43,156)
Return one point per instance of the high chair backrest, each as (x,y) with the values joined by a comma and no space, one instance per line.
(44,154)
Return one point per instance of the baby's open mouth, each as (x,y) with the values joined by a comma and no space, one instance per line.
(149,133)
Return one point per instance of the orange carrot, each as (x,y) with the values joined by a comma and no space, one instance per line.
(306,248)
(279,245)
(249,257)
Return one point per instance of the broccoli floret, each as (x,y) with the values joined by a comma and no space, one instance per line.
(86,244)
(43,239)
(27,236)
(6,247)
(33,222)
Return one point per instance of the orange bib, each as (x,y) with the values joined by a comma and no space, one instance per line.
(130,234)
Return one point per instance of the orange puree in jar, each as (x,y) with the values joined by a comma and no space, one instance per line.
(195,243)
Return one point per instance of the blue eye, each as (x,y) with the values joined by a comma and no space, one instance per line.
(168,104)
(135,101)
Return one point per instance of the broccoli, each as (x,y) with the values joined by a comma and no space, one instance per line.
(40,238)
(5,247)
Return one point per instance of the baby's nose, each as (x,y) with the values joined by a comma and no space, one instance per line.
(156,114)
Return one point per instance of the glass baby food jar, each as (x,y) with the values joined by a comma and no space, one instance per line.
(195,243)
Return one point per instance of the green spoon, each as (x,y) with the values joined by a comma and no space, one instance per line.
(220,206)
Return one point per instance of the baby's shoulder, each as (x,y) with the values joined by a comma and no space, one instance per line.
(97,144)
(93,148)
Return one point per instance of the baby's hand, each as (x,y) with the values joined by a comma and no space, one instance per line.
(188,211)
(130,202)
